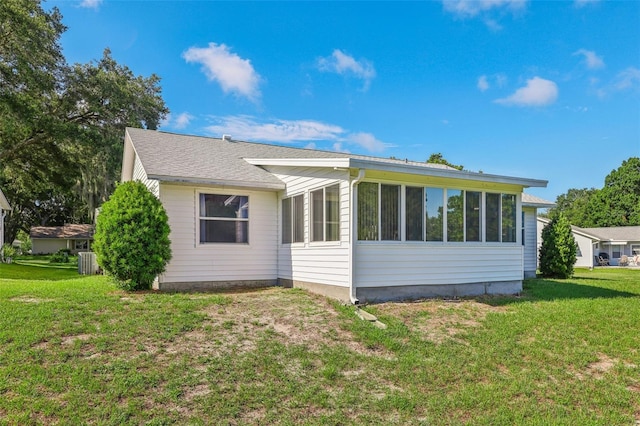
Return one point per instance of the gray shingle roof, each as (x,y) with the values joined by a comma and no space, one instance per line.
(67,232)
(201,158)
(615,233)
(533,201)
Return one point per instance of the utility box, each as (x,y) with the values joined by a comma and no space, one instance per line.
(87,263)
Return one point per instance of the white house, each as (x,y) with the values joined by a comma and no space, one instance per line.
(615,241)
(50,239)
(4,208)
(352,227)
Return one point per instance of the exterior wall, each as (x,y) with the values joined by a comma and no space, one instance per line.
(196,265)
(139,174)
(413,264)
(585,255)
(530,242)
(624,250)
(314,262)
(48,245)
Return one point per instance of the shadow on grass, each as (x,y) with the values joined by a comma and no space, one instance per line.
(17,271)
(544,290)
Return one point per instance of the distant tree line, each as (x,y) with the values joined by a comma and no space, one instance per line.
(617,203)
(61,125)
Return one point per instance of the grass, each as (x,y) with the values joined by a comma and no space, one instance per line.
(77,351)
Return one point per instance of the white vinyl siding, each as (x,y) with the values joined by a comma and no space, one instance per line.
(322,262)
(193,262)
(530,243)
(413,263)
(140,175)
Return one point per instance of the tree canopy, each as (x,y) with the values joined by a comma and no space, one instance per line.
(61,126)
(437,158)
(617,203)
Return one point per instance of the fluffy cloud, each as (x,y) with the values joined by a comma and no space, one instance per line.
(627,79)
(537,92)
(291,131)
(471,8)
(234,74)
(90,4)
(483,83)
(180,121)
(592,60)
(343,64)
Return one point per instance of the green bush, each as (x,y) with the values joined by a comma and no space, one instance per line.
(8,251)
(62,256)
(132,237)
(558,249)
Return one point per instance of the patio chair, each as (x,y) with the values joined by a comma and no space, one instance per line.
(603,260)
(624,260)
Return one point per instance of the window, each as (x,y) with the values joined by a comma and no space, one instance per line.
(492,213)
(390,212)
(413,208)
(616,251)
(455,215)
(325,214)
(81,245)
(224,218)
(473,216)
(368,211)
(434,208)
(508,218)
(293,219)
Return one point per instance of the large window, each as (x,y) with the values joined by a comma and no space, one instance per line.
(492,213)
(224,218)
(434,206)
(473,216)
(390,212)
(325,214)
(455,215)
(293,219)
(368,211)
(414,210)
(508,218)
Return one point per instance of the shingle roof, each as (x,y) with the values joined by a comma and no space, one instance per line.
(197,157)
(67,232)
(533,201)
(615,233)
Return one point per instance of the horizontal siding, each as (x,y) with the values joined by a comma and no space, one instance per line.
(191,261)
(382,264)
(323,263)
(530,243)
(140,175)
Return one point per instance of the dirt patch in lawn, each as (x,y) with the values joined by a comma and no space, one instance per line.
(440,320)
(290,317)
(29,299)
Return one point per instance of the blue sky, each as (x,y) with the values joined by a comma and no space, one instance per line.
(538,89)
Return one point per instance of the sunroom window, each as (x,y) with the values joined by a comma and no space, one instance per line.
(414,205)
(293,219)
(508,218)
(434,213)
(455,215)
(224,218)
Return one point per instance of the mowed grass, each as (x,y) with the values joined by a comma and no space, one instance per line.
(80,351)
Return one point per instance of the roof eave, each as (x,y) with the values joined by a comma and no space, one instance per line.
(219,182)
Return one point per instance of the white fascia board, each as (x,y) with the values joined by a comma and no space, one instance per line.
(219,182)
(299,162)
(538,205)
(445,173)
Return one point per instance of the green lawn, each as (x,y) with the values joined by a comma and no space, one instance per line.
(78,351)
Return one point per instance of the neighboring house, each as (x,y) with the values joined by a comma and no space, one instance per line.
(615,241)
(4,208)
(51,239)
(348,226)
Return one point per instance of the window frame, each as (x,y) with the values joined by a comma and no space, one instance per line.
(294,218)
(200,218)
(324,222)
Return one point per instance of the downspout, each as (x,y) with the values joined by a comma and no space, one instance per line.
(353,236)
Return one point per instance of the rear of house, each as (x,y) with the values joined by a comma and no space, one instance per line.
(51,239)
(353,227)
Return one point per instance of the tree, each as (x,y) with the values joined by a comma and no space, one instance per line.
(61,126)
(132,237)
(438,159)
(558,249)
(574,205)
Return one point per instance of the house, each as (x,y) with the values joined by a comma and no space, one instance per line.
(51,239)
(530,232)
(615,241)
(352,227)
(4,208)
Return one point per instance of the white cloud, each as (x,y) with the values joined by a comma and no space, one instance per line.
(182,120)
(472,8)
(90,4)
(483,83)
(537,92)
(367,141)
(627,79)
(343,64)
(245,127)
(582,3)
(234,74)
(592,60)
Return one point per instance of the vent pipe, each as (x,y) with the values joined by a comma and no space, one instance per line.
(226,138)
